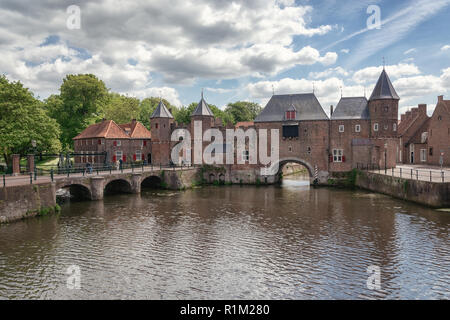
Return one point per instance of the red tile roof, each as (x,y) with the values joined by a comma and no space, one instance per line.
(245,124)
(105,129)
(136,130)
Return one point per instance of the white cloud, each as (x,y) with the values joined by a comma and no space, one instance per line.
(327,91)
(345,50)
(339,71)
(371,74)
(183,40)
(170,94)
(445,48)
(413,50)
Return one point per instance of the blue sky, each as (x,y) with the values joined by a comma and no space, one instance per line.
(239,50)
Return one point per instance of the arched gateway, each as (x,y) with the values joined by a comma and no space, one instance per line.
(307,165)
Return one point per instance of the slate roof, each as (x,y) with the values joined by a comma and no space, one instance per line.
(104,129)
(384,89)
(202,109)
(352,108)
(161,111)
(306,105)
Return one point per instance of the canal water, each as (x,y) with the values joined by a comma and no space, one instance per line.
(233,242)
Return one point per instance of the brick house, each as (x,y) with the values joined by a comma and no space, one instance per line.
(425,140)
(129,142)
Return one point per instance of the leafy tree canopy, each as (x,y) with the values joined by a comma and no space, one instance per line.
(243,110)
(82,102)
(122,109)
(23,118)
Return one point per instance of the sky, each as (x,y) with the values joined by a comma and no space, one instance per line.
(234,50)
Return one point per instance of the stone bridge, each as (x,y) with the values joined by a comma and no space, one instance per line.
(94,187)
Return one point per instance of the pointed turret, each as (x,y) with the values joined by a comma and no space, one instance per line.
(383,108)
(161,111)
(384,89)
(202,109)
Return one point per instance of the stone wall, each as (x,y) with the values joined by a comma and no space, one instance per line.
(427,193)
(18,202)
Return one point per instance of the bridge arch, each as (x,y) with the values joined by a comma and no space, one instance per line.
(117,186)
(151,182)
(78,192)
(306,164)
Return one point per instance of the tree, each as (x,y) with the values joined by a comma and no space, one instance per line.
(23,118)
(243,111)
(148,106)
(122,109)
(81,102)
(184,114)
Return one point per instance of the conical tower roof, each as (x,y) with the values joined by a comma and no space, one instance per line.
(161,111)
(202,109)
(384,89)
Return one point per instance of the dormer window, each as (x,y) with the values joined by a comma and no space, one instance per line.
(291,115)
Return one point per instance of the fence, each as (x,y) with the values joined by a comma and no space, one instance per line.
(439,176)
(51,173)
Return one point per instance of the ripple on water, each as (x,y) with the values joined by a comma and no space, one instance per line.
(229,243)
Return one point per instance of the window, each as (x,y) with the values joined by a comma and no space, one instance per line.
(358,128)
(119,143)
(138,155)
(308,150)
(440,118)
(386,109)
(290,149)
(245,155)
(99,141)
(119,155)
(375,127)
(290,131)
(290,115)
(341,128)
(423,155)
(144,143)
(386,127)
(431,151)
(395,127)
(338,155)
(156,126)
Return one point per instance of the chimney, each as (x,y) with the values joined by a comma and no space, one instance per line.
(440,99)
(423,109)
(133,121)
(403,117)
(331,110)
(103,120)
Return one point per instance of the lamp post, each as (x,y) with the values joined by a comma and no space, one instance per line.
(385,157)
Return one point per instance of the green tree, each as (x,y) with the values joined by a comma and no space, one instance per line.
(148,106)
(122,109)
(23,118)
(243,110)
(82,102)
(184,114)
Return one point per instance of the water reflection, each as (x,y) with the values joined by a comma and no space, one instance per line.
(286,242)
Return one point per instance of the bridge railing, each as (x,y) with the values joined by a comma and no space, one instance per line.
(436,175)
(50,173)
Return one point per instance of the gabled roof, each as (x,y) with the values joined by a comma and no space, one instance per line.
(136,130)
(104,129)
(351,108)
(161,111)
(384,89)
(202,109)
(306,105)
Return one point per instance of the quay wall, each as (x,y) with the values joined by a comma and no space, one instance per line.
(436,195)
(18,202)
